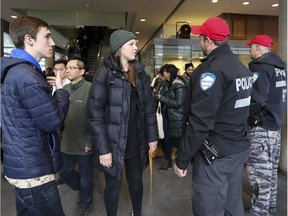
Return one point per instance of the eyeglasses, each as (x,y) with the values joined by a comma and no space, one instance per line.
(72,68)
(59,69)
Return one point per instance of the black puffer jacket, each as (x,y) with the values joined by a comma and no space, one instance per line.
(172,99)
(108,113)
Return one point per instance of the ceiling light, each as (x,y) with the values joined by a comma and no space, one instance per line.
(13,16)
(245,3)
(142,20)
(214,1)
(275,5)
(137,32)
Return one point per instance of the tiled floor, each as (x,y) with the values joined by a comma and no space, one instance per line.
(171,196)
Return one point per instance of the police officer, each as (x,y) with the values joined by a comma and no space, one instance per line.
(217,105)
(266,118)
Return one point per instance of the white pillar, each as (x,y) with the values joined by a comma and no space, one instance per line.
(283,54)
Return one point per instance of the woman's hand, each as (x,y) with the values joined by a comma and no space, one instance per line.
(153,145)
(106,160)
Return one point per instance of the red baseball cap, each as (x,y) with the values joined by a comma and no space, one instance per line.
(215,28)
(263,40)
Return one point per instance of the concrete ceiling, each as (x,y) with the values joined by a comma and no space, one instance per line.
(127,13)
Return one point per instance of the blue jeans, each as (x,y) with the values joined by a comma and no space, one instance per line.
(42,200)
(81,180)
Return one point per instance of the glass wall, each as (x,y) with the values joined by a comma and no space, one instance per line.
(182,51)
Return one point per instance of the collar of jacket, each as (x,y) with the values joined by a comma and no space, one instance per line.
(23,55)
(77,85)
(221,50)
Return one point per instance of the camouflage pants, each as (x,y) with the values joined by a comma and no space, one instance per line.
(262,167)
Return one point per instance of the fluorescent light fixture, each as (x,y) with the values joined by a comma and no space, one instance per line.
(245,3)
(13,16)
(137,32)
(214,1)
(275,5)
(142,20)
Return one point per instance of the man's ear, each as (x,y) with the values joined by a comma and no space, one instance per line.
(28,39)
(82,72)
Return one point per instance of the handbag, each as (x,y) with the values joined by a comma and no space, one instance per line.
(160,121)
(54,146)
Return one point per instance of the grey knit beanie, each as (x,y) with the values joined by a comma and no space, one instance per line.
(120,37)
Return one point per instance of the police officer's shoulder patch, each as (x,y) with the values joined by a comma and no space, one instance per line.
(207,80)
(255,76)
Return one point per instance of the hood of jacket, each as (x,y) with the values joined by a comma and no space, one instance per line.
(7,63)
(269,58)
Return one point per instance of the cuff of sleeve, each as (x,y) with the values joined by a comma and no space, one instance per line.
(182,164)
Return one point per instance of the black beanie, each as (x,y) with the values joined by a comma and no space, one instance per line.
(188,65)
(120,37)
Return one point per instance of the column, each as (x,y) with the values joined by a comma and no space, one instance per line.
(283,54)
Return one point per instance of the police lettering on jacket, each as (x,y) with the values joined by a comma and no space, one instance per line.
(244,83)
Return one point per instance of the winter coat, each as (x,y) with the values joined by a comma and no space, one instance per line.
(172,100)
(269,90)
(108,114)
(217,106)
(28,113)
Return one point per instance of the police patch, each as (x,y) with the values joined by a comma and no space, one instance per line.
(207,80)
(255,76)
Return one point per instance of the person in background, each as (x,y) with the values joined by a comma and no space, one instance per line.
(171,96)
(29,114)
(84,44)
(189,68)
(88,74)
(49,71)
(122,121)
(266,117)
(73,51)
(59,67)
(76,145)
(215,136)
(158,81)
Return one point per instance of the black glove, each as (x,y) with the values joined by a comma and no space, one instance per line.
(257,119)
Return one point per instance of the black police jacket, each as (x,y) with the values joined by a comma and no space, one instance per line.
(269,90)
(217,106)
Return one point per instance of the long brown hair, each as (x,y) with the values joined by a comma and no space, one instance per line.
(130,75)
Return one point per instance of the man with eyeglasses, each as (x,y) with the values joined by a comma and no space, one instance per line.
(76,146)
(60,67)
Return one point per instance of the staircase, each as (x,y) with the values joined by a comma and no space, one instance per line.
(93,61)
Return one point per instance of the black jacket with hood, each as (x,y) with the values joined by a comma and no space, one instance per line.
(269,89)
(108,114)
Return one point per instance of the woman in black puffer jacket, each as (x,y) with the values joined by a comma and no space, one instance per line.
(122,120)
(171,96)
